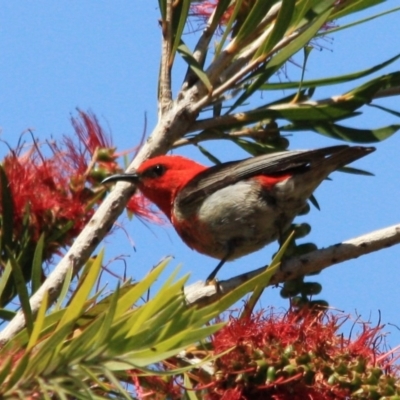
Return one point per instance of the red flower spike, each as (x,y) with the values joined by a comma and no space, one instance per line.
(94,146)
(41,187)
(142,208)
(298,356)
(291,356)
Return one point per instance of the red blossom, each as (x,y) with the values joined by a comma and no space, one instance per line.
(142,208)
(204,10)
(41,194)
(296,356)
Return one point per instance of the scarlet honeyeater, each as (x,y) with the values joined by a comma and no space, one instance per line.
(235,208)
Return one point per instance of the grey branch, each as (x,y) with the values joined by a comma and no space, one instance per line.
(202,294)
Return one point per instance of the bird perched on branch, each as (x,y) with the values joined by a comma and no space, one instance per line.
(235,208)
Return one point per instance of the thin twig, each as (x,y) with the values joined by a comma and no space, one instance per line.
(165,94)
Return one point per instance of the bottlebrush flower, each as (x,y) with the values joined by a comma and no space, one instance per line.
(55,195)
(287,356)
(300,355)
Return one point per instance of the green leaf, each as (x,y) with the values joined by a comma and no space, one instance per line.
(17,372)
(358,22)
(257,292)
(134,294)
(180,14)
(258,11)
(206,153)
(187,55)
(388,110)
(5,277)
(163,8)
(355,171)
(21,289)
(229,23)
(189,391)
(281,57)
(328,81)
(348,134)
(280,27)
(78,301)
(367,91)
(7,214)
(39,322)
(64,290)
(37,265)
(354,6)
(300,41)
(6,315)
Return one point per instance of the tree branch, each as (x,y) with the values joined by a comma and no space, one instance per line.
(201,294)
(165,94)
(172,126)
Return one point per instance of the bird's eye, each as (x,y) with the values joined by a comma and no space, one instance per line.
(156,171)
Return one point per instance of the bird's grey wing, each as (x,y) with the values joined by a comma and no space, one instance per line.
(221,175)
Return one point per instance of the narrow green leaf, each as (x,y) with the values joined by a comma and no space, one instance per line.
(229,24)
(137,291)
(281,57)
(187,55)
(7,214)
(156,304)
(330,80)
(302,8)
(366,91)
(189,392)
(314,202)
(94,377)
(257,292)
(64,290)
(116,383)
(211,311)
(163,8)
(77,303)
(37,265)
(388,110)
(39,322)
(349,134)
(354,6)
(355,171)
(281,25)
(5,277)
(180,14)
(358,22)
(109,316)
(300,41)
(6,367)
(172,346)
(41,362)
(6,315)
(206,153)
(21,289)
(17,372)
(258,11)
(82,345)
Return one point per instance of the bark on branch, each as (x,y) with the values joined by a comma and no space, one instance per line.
(201,294)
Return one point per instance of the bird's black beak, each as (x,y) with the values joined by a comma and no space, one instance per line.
(132,178)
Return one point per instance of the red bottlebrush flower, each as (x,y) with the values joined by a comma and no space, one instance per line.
(41,195)
(298,356)
(93,150)
(142,208)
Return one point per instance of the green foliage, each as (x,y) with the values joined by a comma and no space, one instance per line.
(89,346)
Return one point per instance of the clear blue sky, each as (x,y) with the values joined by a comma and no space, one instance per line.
(104,56)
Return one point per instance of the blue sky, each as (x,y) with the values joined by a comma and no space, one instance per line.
(104,56)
